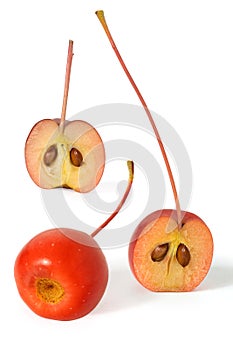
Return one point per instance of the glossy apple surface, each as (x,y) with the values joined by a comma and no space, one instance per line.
(61,274)
(165,258)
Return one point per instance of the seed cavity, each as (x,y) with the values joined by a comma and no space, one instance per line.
(76,157)
(183,255)
(159,253)
(50,155)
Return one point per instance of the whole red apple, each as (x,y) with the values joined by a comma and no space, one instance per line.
(61,274)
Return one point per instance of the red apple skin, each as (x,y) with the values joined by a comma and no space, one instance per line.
(69,257)
(186,217)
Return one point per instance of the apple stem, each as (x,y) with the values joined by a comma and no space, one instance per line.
(100,15)
(67,83)
(130,165)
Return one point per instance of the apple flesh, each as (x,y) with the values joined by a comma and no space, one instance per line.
(72,156)
(61,274)
(165,258)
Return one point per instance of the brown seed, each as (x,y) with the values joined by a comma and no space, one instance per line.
(50,155)
(183,255)
(76,157)
(160,252)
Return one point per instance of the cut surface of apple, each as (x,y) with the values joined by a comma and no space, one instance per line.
(169,250)
(72,156)
(165,258)
(60,153)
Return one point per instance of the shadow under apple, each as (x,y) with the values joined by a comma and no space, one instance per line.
(219,276)
(124,292)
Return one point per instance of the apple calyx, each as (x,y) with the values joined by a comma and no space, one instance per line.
(49,290)
(100,15)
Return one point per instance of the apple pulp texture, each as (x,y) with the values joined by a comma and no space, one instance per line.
(61,274)
(61,172)
(160,228)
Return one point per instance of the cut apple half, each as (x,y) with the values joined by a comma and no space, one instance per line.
(165,258)
(73,157)
(60,153)
(170,250)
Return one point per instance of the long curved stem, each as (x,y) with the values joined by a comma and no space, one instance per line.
(67,82)
(100,15)
(118,208)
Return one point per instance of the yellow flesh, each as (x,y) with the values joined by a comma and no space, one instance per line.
(168,274)
(62,172)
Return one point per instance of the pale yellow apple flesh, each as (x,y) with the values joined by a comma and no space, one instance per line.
(56,169)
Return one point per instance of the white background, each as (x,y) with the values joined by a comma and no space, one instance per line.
(180,54)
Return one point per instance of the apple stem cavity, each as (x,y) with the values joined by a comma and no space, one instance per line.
(67,82)
(100,15)
(130,165)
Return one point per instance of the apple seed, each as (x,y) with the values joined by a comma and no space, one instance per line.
(50,155)
(183,255)
(76,157)
(160,252)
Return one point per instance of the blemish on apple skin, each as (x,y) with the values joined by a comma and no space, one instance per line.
(52,244)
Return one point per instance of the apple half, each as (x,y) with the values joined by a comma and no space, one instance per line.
(164,257)
(71,156)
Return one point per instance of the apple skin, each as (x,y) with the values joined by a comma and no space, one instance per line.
(74,260)
(187,217)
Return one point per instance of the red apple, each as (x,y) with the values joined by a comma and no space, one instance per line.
(169,250)
(62,273)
